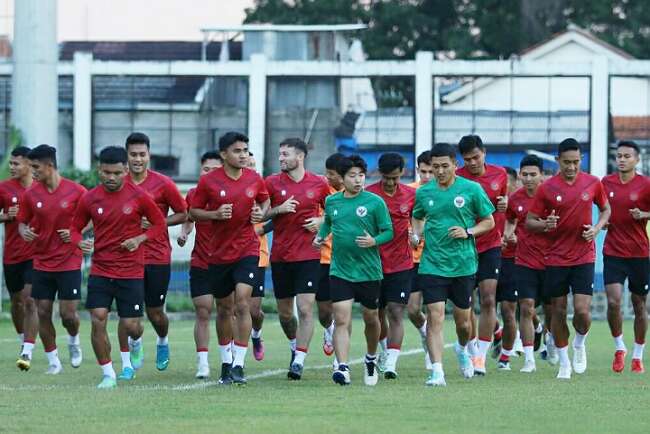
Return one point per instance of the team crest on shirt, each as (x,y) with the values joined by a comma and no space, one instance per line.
(494,185)
(127,209)
(585,196)
(362,211)
(459,201)
(39,204)
(64,204)
(634,195)
(404,208)
(310,194)
(250,193)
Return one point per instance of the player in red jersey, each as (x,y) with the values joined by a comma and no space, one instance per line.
(17,254)
(528,272)
(233,198)
(626,251)
(116,208)
(562,208)
(44,220)
(414,307)
(396,259)
(200,288)
(297,197)
(157,252)
(494,181)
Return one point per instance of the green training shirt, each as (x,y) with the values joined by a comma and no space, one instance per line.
(461,204)
(347,218)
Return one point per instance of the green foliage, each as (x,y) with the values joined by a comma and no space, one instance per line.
(15,139)
(87,178)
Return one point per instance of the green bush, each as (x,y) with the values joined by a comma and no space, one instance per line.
(87,178)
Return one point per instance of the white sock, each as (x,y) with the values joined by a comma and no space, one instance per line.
(108,370)
(460,348)
(550,340)
(126,359)
(437,367)
(391,360)
(73,340)
(637,353)
(256,334)
(423,330)
(226,353)
(53,357)
(579,340)
(135,341)
(371,357)
(619,343)
(292,344)
(162,341)
(21,337)
(240,355)
(330,329)
(564,356)
(540,328)
(472,348)
(300,357)
(505,352)
(483,347)
(28,347)
(529,353)
(202,357)
(383,343)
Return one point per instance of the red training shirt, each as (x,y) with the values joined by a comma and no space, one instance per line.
(626,237)
(292,242)
(573,204)
(235,238)
(531,246)
(495,183)
(16,249)
(46,213)
(117,216)
(202,239)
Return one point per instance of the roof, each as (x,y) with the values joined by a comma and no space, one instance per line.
(631,127)
(148,50)
(288,28)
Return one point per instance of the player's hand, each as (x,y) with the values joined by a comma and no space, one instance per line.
(12,212)
(181,240)
(365,241)
(589,233)
(456,232)
(637,214)
(28,234)
(551,221)
(131,244)
(317,243)
(145,224)
(502,203)
(224,212)
(312,224)
(288,206)
(414,239)
(87,246)
(64,234)
(256,214)
(512,239)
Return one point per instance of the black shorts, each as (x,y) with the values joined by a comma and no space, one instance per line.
(225,277)
(46,285)
(156,284)
(396,288)
(416,286)
(293,278)
(530,284)
(365,293)
(127,293)
(506,287)
(258,285)
(489,265)
(323,292)
(436,289)
(579,279)
(635,270)
(18,275)
(199,282)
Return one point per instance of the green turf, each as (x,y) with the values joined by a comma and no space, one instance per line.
(173,401)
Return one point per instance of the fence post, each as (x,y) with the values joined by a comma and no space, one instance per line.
(83,111)
(423,101)
(598,154)
(257,108)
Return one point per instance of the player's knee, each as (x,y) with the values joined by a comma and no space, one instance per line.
(242,308)
(527,310)
(44,312)
(98,320)
(395,314)
(488,301)
(202,314)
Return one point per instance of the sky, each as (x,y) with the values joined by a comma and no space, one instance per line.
(136,19)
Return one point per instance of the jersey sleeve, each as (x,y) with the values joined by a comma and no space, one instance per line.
(538,207)
(511,216)
(80,219)
(384,223)
(483,207)
(150,210)
(418,209)
(600,196)
(326,227)
(174,198)
(26,210)
(262,192)
(201,195)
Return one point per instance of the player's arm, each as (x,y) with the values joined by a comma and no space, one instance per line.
(4,217)
(590,231)
(177,204)
(484,225)
(264,229)
(260,210)
(384,229)
(158,224)
(25,215)
(186,230)
(534,220)
(324,230)
(199,203)
(80,222)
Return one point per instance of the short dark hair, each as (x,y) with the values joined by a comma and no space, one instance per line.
(443,150)
(389,162)
(348,163)
(20,151)
(511,172)
(332,162)
(210,155)
(424,158)
(532,160)
(469,143)
(229,138)
(627,144)
(568,145)
(113,155)
(137,139)
(296,143)
(43,153)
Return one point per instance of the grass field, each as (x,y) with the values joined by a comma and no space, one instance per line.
(173,401)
